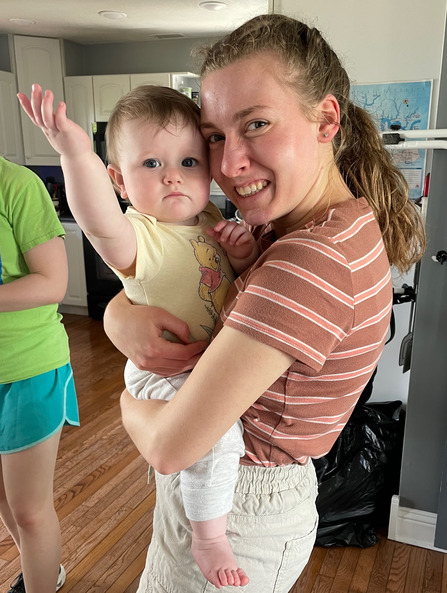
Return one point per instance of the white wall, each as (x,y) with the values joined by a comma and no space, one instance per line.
(382,41)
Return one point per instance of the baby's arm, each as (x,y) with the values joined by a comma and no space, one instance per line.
(238,242)
(90,193)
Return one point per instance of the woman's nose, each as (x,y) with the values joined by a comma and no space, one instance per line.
(234,158)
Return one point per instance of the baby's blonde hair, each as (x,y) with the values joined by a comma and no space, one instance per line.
(156,104)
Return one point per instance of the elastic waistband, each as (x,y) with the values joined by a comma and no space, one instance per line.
(257,479)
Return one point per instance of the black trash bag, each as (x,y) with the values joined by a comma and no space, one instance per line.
(359,476)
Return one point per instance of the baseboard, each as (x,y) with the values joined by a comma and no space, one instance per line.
(411,526)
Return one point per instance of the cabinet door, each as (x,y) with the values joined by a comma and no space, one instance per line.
(106,92)
(158,79)
(38,59)
(11,142)
(77,290)
(79,100)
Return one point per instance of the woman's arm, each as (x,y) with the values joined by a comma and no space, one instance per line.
(231,375)
(136,331)
(44,285)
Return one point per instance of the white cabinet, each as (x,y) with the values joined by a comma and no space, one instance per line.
(38,60)
(92,98)
(158,79)
(79,100)
(76,294)
(106,92)
(11,141)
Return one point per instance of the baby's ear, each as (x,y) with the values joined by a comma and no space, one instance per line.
(117,180)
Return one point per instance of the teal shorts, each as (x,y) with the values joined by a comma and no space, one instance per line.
(35,409)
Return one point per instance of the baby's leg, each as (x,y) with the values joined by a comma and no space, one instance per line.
(213,554)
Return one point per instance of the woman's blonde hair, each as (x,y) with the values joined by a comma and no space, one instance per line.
(314,71)
(155,104)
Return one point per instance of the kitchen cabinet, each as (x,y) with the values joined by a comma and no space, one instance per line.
(11,142)
(158,78)
(92,98)
(106,92)
(76,295)
(38,60)
(79,100)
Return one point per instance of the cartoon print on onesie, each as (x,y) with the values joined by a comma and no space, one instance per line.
(214,284)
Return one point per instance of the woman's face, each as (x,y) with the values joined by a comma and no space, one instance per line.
(265,154)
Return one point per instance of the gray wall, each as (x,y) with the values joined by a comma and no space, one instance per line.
(131,58)
(5,60)
(426,424)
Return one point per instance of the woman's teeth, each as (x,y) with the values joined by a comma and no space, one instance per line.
(251,189)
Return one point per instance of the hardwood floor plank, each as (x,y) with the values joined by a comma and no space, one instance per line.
(416,570)
(331,562)
(363,571)
(381,568)
(346,570)
(399,568)
(433,572)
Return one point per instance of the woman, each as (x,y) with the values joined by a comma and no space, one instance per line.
(37,394)
(302,330)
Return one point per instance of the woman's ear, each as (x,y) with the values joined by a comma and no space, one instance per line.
(118,180)
(329,119)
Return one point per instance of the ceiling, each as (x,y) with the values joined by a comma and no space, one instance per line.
(79,21)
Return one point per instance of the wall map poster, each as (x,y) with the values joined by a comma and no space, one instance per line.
(406,104)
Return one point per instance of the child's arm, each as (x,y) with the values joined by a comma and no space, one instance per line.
(90,193)
(238,242)
(44,285)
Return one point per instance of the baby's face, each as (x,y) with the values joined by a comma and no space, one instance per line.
(165,171)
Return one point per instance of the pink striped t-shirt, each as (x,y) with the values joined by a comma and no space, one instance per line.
(323,294)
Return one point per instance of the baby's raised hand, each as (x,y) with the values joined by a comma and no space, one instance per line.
(66,137)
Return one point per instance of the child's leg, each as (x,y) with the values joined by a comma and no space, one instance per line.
(28,483)
(207,490)
(213,554)
(5,512)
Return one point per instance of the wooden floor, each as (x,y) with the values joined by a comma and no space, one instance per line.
(105,504)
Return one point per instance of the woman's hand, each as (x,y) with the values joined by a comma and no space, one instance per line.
(136,330)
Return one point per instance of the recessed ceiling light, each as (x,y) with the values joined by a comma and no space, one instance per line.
(23,21)
(112,14)
(211,5)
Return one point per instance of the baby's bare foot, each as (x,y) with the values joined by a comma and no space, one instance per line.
(216,560)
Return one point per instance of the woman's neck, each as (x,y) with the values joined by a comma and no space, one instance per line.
(329,191)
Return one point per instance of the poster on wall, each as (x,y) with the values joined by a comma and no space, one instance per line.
(403,104)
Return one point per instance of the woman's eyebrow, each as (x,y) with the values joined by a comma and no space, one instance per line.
(236,117)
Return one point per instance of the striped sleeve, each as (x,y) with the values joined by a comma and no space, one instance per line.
(298,299)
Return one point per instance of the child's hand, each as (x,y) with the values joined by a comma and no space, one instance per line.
(237,241)
(66,137)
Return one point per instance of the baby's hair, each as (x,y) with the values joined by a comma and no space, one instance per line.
(313,71)
(155,104)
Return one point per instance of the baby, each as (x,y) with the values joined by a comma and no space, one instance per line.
(168,250)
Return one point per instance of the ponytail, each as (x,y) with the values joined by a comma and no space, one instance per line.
(368,170)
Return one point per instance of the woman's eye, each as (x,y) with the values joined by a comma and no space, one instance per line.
(152,163)
(215,138)
(255,125)
(189,162)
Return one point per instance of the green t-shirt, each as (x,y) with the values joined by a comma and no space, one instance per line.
(32,341)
